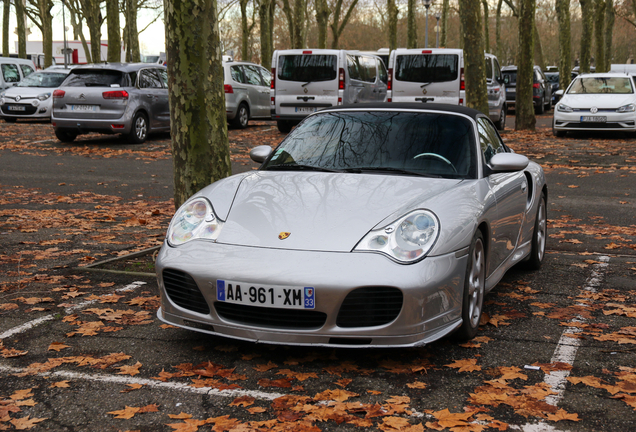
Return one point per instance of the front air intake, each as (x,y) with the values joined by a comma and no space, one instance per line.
(369,307)
(184,292)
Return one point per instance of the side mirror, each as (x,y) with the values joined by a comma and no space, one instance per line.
(559,92)
(508,162)
(260,153)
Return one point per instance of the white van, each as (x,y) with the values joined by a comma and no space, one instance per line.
(13,70)
(436,75)
(304,81)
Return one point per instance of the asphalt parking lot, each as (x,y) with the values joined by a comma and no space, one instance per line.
(84,351)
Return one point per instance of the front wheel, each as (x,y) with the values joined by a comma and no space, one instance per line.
(474,289)
(540,106)
(501,123)
(139,131)
(65,136)
(242,117)
(539,236)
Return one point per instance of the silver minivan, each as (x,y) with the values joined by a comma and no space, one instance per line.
(247,88)
(436,75)
(304,81)
(13,70)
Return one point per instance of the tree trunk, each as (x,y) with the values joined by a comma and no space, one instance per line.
(565,43)
(486,27)
(272,14)
(599,35)
(6,14)
(19,12)
(392,14)
(411,33)
(47,31)
(266,49)
(200,149)
(337,27)
(299,22)
(133,33)
(586,35)
(114,37)
(322,19)
(76,23)
(524,111)
(538,48)
(474,65)
(245,33)
(290,22)
(443,37)
(609,32)
(499,50)
(92,15)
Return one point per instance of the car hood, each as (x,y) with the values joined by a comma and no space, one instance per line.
(320,211)
(27,91)
(602,101)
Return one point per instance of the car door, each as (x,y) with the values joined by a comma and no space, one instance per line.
(259,98)
(511,194)
(354,90)
(164,97)
(383,79)
(266,77)
(151,89)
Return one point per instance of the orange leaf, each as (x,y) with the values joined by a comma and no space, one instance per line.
(563,415)
(466,365)
(57,346)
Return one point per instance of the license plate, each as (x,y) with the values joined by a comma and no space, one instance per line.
(84,107)
(593,119)
(16,108)
(265,295)
(306,109)
(511,90)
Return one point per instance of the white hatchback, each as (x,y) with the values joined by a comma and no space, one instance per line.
(600,102)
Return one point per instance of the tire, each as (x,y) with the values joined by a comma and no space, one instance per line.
(242,117)
(139,131)
(501,123)
(10,119)
(539,236)
(65,136)
(474,289)
(284,126)
(540,109)
(548,105)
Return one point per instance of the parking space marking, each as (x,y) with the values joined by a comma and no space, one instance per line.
(34,323)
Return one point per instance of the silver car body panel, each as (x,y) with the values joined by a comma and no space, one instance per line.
(327,214)
(254,94)
(27,99)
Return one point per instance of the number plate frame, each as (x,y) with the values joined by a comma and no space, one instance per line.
(308,110)
(84,108)
(593,119)
(19,108)
(280,297)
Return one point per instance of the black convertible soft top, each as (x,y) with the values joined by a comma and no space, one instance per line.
(473,113)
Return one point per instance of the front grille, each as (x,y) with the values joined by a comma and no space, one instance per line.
(184,292)
(608,125)
(271,317)
(28,109)
(368,307)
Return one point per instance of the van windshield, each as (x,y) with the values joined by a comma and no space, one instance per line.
(307,68)
(427,68)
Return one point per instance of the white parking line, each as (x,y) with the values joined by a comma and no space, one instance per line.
(36,322)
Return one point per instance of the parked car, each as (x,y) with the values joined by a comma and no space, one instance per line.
(602,102)
(31,97)
(436,76)
(112,98)
(13,70)
(541,88)
(304,81)
(370,225)
(247,87)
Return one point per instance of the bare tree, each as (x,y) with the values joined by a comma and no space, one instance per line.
(20,17)
(586,35)
(609,31)
(486,27)
(443,37)
(322,19)
(392,12)
(114,31)
(6,14)
(200,148)
(524,111)
(39,12)
(475,72)
(338,26)
(599,35)
(411,32)
(565,42)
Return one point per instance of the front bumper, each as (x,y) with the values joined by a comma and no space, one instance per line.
(27,110)
(431,307)
(564,121)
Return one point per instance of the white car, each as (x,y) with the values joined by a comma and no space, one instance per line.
(31,98)
(600,102)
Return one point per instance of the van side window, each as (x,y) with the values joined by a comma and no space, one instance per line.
(370,68)
(384,76)
(266,76)
(237,74)
(26,70)
(353,64)
(488,139)
(10,73)
(252,75)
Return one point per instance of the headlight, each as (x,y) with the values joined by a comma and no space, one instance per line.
(627,108)
(406,240)
(44,96)
(194,220)
(564,108)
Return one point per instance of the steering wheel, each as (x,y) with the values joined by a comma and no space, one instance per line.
(437,157)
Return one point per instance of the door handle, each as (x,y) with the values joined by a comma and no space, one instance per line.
(524,186)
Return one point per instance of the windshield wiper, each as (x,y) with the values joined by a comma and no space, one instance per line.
(389,169)
(425,84)
(297,167)
(309,82)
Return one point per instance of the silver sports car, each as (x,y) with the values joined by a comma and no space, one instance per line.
(368,226)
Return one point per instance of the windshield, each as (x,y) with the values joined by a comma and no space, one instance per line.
(428,144)
(96,78)
(427,68)
(600,85)
(552,77)
(40,79)
(510,77)
(307,68)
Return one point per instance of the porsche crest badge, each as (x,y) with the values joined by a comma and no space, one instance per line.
(283,235)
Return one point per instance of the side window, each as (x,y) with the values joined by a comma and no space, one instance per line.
(266,76)
(252,75)
(163,74)
(370,68)
(237,74)
(26,70)
(10,73)
(497,70)
(149,79)
(384,76)
(353,65)
(488,68)
(489,139)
